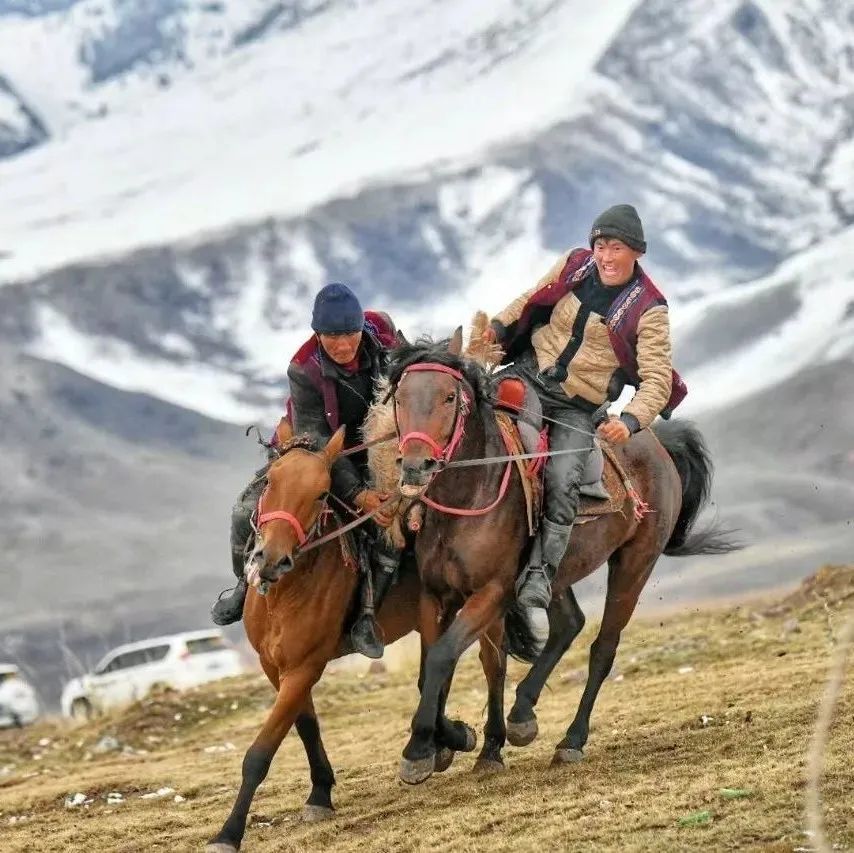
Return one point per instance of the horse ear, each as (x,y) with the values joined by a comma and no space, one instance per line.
(335,445)
(284,432)
(455,347)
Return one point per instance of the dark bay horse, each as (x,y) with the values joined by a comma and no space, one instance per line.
(296,628)
(469,564)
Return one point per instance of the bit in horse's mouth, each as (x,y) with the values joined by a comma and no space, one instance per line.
(253,574)
(410,491)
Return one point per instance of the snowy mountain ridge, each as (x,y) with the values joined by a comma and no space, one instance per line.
(168,233)
(307,114)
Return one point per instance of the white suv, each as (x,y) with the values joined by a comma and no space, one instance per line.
(18,702)
(128,672)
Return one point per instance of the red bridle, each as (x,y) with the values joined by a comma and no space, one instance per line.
(440,454)
(279,515)
(444,454)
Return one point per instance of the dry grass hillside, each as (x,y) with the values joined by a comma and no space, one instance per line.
(698,743)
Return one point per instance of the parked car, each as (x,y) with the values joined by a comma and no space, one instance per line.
(129,672)
(19,704)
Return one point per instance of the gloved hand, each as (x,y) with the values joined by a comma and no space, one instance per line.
(614,431)
(368,500)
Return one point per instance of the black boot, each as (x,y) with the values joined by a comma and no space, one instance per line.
(365,633)
(534,587)
(228,609)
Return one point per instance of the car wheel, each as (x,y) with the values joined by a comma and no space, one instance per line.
(82,710)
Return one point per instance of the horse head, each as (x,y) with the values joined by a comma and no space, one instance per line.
(432,398)
(292,504)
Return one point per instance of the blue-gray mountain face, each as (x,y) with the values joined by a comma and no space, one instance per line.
(34,8)
(20,127)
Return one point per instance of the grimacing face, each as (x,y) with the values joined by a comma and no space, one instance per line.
(614,260)
(341,348)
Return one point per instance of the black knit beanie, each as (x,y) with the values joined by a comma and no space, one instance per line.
(622,222)
(337,311)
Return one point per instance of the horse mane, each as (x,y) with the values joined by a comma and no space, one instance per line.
(302,442)
(425,349)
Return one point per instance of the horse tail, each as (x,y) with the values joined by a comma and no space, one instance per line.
(688,450)
(519,640)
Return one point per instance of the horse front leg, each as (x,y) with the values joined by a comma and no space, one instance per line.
(452,736)
(481,609)
(294,689)
(493,659)
(318,806)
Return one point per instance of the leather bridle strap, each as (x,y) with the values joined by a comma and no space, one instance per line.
(281,515)
(440,454)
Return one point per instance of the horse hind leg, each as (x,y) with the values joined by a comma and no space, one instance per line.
(318,806)
(629,569)
(493,659)
(566,620)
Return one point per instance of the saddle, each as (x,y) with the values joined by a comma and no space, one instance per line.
(604,487)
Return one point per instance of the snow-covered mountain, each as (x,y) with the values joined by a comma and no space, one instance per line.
(203,167)
(742,340)
(722,121)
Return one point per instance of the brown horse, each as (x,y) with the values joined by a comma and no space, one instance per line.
(469,564)
(297,627)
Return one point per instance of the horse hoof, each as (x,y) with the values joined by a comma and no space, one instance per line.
(564,755)
(521,734)
(418,771)
(444,759)
(471,738)
(220,847)
(316,814)
(488,765)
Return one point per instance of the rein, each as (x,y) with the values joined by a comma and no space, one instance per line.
(443,455)
(340,531)
(307,541)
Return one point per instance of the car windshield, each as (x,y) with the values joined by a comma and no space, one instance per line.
(206,644)
(7,676)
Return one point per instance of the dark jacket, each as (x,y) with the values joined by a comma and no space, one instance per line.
(325,396)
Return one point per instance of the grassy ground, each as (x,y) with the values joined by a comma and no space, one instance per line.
(700,703)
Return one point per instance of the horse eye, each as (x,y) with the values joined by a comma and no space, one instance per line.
(450,398)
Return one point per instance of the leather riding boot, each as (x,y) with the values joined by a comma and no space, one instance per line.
(534,587)
(365,633)
(228,608)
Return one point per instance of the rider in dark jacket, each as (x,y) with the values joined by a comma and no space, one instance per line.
(332,380)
